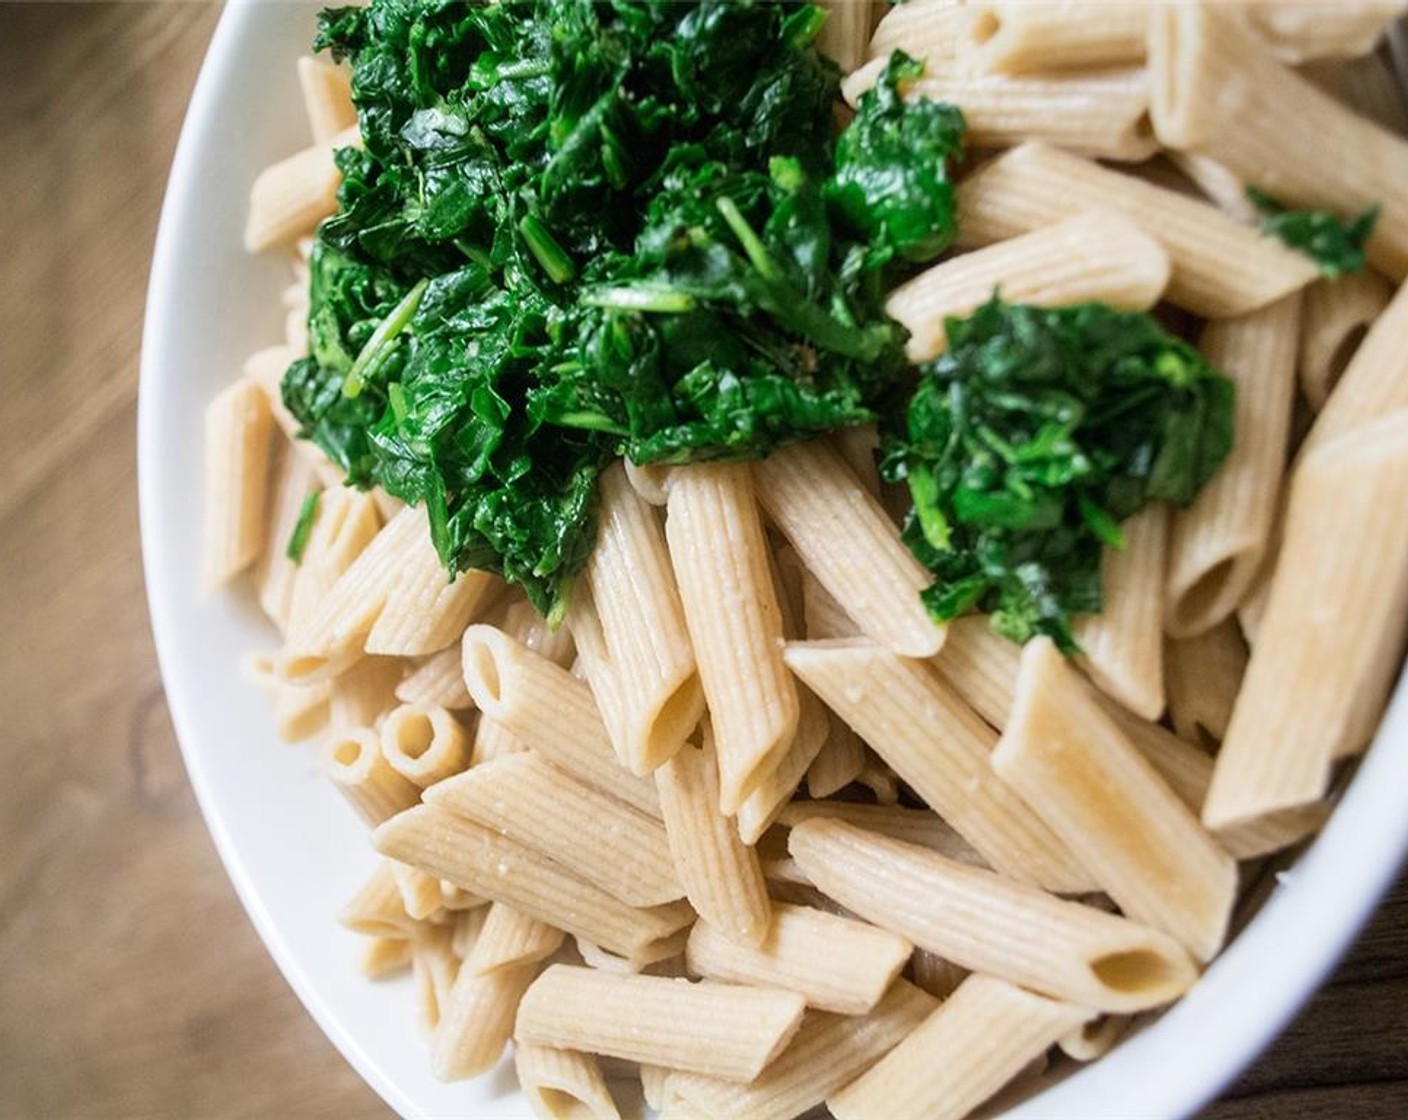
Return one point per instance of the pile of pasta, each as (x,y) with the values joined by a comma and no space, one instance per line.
(750,826)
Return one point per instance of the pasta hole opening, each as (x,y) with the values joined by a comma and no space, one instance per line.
(346,752)
(304,667)
(414,734)
(560,1104)
(984,28)
(1340,358)
(1203,600)
(1143,128)
(1135,971)
(481,674)
(676,718)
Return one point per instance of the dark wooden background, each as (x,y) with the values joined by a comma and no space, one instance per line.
(131,983)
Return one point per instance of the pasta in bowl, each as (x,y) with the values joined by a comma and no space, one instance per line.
(562,893)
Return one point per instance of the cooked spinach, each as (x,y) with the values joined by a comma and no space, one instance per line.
(1032,438)
(302,528)
(1336,246)
(579,230)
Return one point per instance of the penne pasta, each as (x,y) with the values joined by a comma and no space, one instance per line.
(327,99)
(1145,847)
(345,522)
(913,826)
(981,666)
(1096,256)
(378,909)
(718,1029)
(1094,1038)
(1023,38)
(940,747)
(476,1021)
(363,693)
(836,964)
(239,446)
(838,762)
(275,571)
(923,28)
(384,956)
(424,744)
(563,1084)
(760,809)
(352,759)
(1217,184)
(289,198)
(1332,635)
(935,975)
(1367,85)
(433,970)
(1297,30)
(982,1037)
(1203,676)
(438,680)
(510,939)
(300,712)
(1220,268)
(1202,58)
(1337,317)
(720,561)
(845,36)
(985,922)
(420,893)
(1217,544)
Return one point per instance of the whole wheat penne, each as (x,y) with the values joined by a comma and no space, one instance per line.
(420,893)
(913,826)
(1022,38)
(1220,267)
(424,744)
(836,964)
(643,628)
(476,1021)
(1122,647)
(660,958)
(604,841)
(480,860)
(761,807)
(1144,846)
(653,1084)
(394,598)
(327,98)
(438,680)
(934,974)
(720,561)
(1202,58)
(295,485)
(1094,1038)
(467,926)
(940,747)
(721,875)
(433,971)
(521,619)
(988,923)
(1218,542)
(1217,183)
(963,1053)
(266,368)
(352,759)
(1097,256)
(838,762)
(563,1084)
(345,522)
(1331,639)
(456,898)
(1203,675)
(289,198)
(719,1029)
(301,711)
(509,938)
(384,956)
(1336,319)
(364,692)
(377,909)
(239,446)
(827,1052)
(847,542)
(921,27)
(859,447)
(1297,30)
(1366,84)
(981,665)
(550,710)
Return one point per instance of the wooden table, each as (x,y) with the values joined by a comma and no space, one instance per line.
(131,984)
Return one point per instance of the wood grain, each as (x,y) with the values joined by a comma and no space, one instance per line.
(131,983)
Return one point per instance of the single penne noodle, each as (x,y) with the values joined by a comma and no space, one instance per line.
(1330,643)
(720,557)
(437,680)
(604,841)
(365,691)
(420,893)
(300,712)
(1220,267)
(913,826)
(845,36)
(425,744)
(266,368)
(1309,29)
(988,923)
(455,898)
(1251,612)
(839,762)
(352,759)
(882,781)
(1217,544)
(827,1052)
(1099,113)
(394,598)
(563,1084)
(982,1037)
(1202,58)
(523,622)
(1203,675)
(940,747)
(981,665)
(1096,256)
(1094,1038)
(1122,647)
(509,938)
(239,449)
(722,877)
(1023,38)
(1366,84)
(836,964)
(938,977)
(650,480)
(1145,847)
(723,1030)
(467,926)
(762,806)
(289,198)
(922,28)
(480,860)
(1218,184)
(476,1021)
(378,910)
(1335,321)
(274,572)
(433,970)
(643,627)
(846,541)
(327,98)
(345,522)
(552,712)
(493,740)
(593,663)
(384,956)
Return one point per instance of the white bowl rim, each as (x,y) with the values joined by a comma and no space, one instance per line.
(1165,1073)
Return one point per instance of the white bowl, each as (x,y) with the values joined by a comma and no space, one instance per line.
(296,853)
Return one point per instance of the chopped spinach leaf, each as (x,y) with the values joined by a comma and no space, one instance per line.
(1336,246)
